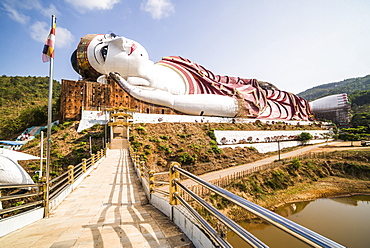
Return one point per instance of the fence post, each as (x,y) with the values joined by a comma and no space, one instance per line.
(142,169)
(46,200)
(137,159)
(93,160)
(151,181)
(83,165)
(174,176)
(71,174)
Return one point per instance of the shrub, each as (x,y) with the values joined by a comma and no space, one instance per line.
(164,137)
(141,128)
(211,134)
(195,147)
(186,158)
(213,143)
(296,164)
(304,137)
(216,150)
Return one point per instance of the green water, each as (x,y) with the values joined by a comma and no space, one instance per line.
(346,220)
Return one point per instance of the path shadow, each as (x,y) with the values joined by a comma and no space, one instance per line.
(124,172)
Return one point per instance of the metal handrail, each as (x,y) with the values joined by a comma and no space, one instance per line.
(19,196)
(12,197)
(58,177)
(161,173)
(162,192)
(12,186)
(57,185)
(161,182)
(308,236)
(30,204)
(207,227)
(240,231)
(58,190)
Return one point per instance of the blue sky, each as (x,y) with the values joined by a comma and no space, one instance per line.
(294,44)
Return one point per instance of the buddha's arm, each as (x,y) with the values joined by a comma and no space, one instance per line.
(212,105)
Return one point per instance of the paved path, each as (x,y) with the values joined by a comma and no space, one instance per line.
(108,209)
(231,170)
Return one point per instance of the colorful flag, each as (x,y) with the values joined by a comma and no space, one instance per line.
(48,51)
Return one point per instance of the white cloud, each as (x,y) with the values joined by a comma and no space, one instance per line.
(15,15)
(40,31)
(158,8)
(64,37)
(82,5)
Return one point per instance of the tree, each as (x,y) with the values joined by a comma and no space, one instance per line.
(361,119)
(327,136)
(352,133)
(349,137)
(304,137)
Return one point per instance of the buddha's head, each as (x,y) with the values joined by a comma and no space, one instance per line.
(99,54)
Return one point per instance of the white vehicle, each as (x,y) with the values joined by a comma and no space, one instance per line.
(365,142)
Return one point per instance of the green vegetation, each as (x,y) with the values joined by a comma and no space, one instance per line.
(354,134)
(23,103)
(348,86)
(67,148)
(358,91)
(304,137)
(270,187)
(361,119)
(360,101)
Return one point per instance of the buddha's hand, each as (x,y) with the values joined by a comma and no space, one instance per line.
(121,81)
(143,93)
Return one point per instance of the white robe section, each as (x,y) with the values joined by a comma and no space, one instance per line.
(10,171)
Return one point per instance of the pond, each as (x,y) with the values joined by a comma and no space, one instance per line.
(346,220)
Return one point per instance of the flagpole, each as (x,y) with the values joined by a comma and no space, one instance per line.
(48,136)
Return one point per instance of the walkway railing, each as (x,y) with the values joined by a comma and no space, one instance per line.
(180,194)
(36,193)
(33,198)
(310,237)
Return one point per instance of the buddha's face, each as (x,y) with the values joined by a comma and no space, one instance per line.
(110,53)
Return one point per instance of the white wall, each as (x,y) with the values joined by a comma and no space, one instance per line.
(90,118)
(265,141)
(15,222)
(183,219)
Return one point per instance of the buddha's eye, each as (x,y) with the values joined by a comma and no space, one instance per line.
(104,52)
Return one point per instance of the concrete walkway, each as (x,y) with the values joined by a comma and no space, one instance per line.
(108,209)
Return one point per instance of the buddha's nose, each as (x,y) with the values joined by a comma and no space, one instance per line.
(119,42)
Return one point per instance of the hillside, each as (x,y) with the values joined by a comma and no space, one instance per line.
(339,173)
(191,144)
(194,145)
(23,103)
(346,86)
(68,147)
(360,101)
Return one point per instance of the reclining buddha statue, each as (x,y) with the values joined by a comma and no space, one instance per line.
(181,84)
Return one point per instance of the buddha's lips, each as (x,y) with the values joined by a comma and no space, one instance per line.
(132,48)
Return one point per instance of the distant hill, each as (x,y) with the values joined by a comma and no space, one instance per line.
(347,86)
(23,102)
